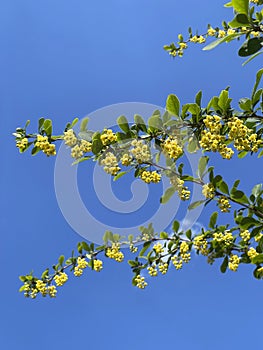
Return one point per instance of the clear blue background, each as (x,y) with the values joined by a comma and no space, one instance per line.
(61,59)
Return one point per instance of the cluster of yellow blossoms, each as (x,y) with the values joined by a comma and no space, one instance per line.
(141,151)
(245,235)
(97,265)
(48,148)
(224,204)
(150,176)
(182,190)
(172,148)
(208,191)
(82,147)
(177,262)
(152,271)
(61,278)
(158,248)
(197,39)
(22,144)
(201,244)
(114,252)
(233,262)
(252,253)
(82,264)
(42,288)
(108,137)
(258,237)
(70,138)
(211,140)
(184,249)
(110,164)
(163,267)
(126,159)
(243,137)
(140,282)
(225,238)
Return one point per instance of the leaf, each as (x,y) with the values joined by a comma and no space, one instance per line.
(198,98)
(140,122)
(239,20)
(96,143)
(257,190)
(223,187)
(164,235)
(74,122)
(195,204)
(83,124)
(202,166)
(248,222)
(146,246)
(257,259)
(86,135)
(192,145)
(240,6)
(176,226)
(155,123)
(213,220)
(123,124)
(85,246)
(173,105)
(215,43)
(224,265)
(258,78)
(250,47)
(251,58)
(245,104)
(167,195)
(80,160)
(239,196)
(224,101)
(61,259)
(47,126)
(116,177)
(40,124)
(27,123)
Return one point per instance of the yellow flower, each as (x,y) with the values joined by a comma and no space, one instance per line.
(224,204)
(211,31)
(108,137)
(61,278)
(158,248)
(252,253)
(70,138)
(233,262)
(152,271)
(172,148)
(221,33)
(110,164)
(208,191)
(163,268)
(22,144)
(140,282)
(97,265)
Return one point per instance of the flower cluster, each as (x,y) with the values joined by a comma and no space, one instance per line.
(97,265)
(233,262)
(126,159)
(70,138)
(140,282)
(177,262)
(172,148)
(152,271)
(22,144)
(252,253)
(110,164)
(150,176)
(48,148)
(224,204)
(61,278)
(82,264)
(163,267)
(245,235)
(158,248)
(80,148)
(197,39)
(182,190)
(201,244)
(108,137)
(184,249)
(212,140)
(243,137)
(140,151)
(114,252)
(208,191)
(225,238)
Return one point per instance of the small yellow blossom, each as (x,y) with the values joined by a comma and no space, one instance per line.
(221,33)
(158,248)
(233,262)
(22,144)
(152,271)
(208,191)
(211,31)
(245,235)
(114,252)
(97,265)
(224,204)
(140,151)
(108,137)
(77,271)
(140,282)
(52,291)
(177,262)
(61,278)
(252,253)
(172,148)
(70,138)
(163,268)
(110,164)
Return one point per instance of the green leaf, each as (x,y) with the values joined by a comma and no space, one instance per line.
(155,123)
(47,126)
(223,187)
(80,160)
(240,6)
(176,226)
(83,124)
(164,235)
(173,105)
(74,122)
(86,135)
(258,78)
(85,246)
(250,47)
(167,195)
(202,166)
(195,204)
(239,20)
(257,259)
(116,177)
(248,222)
(123,124)
(224,265)
(239,196)
(228,4)
(257,190)
(140,123)
(40,124)
(61,259)
(213,220)
(198,98)
(227,38)
(192,145)
(251,58)
(96,143)
(146,246)
(224,101)
(245,104)
(27,123)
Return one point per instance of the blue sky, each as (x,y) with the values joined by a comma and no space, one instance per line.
(62,59)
